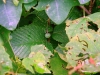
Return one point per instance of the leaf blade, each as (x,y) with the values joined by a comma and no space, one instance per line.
(10,14)
(56,9)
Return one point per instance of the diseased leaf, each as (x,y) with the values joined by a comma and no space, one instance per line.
(81,48)
(40,63)
(40,54)
(5,62)
(36,60)
(95,18)
(10,14)
(5,41)
(41,48)
(77,26)
(81,25)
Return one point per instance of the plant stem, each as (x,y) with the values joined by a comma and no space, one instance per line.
(91,5)
(82,7)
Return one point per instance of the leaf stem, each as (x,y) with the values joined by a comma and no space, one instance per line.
(82,7)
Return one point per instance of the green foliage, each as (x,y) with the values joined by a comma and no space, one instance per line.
(56,9)
(58,65)
(59,34)
(5,62)
(27,1)
(27,63)
(5,41)
(49,37)
(10,14)
(29,5)
(25,37)
(38,58)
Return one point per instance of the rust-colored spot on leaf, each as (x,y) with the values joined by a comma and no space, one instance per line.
(69,48)
(47,7)
(92,61)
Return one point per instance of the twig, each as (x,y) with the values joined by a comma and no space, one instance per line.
(82,7)
(91,5)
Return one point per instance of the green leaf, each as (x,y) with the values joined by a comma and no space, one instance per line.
(58,66)
(5,62)
(83,1)
(28,6)
(42,15)
(28,1)
(58,10)
(49,46)
(27,63)
(74,14)
(42,5)
(25,37)
(59,34)
(10,14)
(5,41)
(60,50)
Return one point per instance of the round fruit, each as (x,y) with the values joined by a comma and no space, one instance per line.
(47,35)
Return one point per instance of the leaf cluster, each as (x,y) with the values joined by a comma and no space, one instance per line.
(49,37)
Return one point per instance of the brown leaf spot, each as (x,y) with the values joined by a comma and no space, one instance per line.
(47,7)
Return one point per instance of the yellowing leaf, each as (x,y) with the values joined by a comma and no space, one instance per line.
(27,63)
(16,2)
(4,1)
(87,45)
(38,61)
(5,62)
